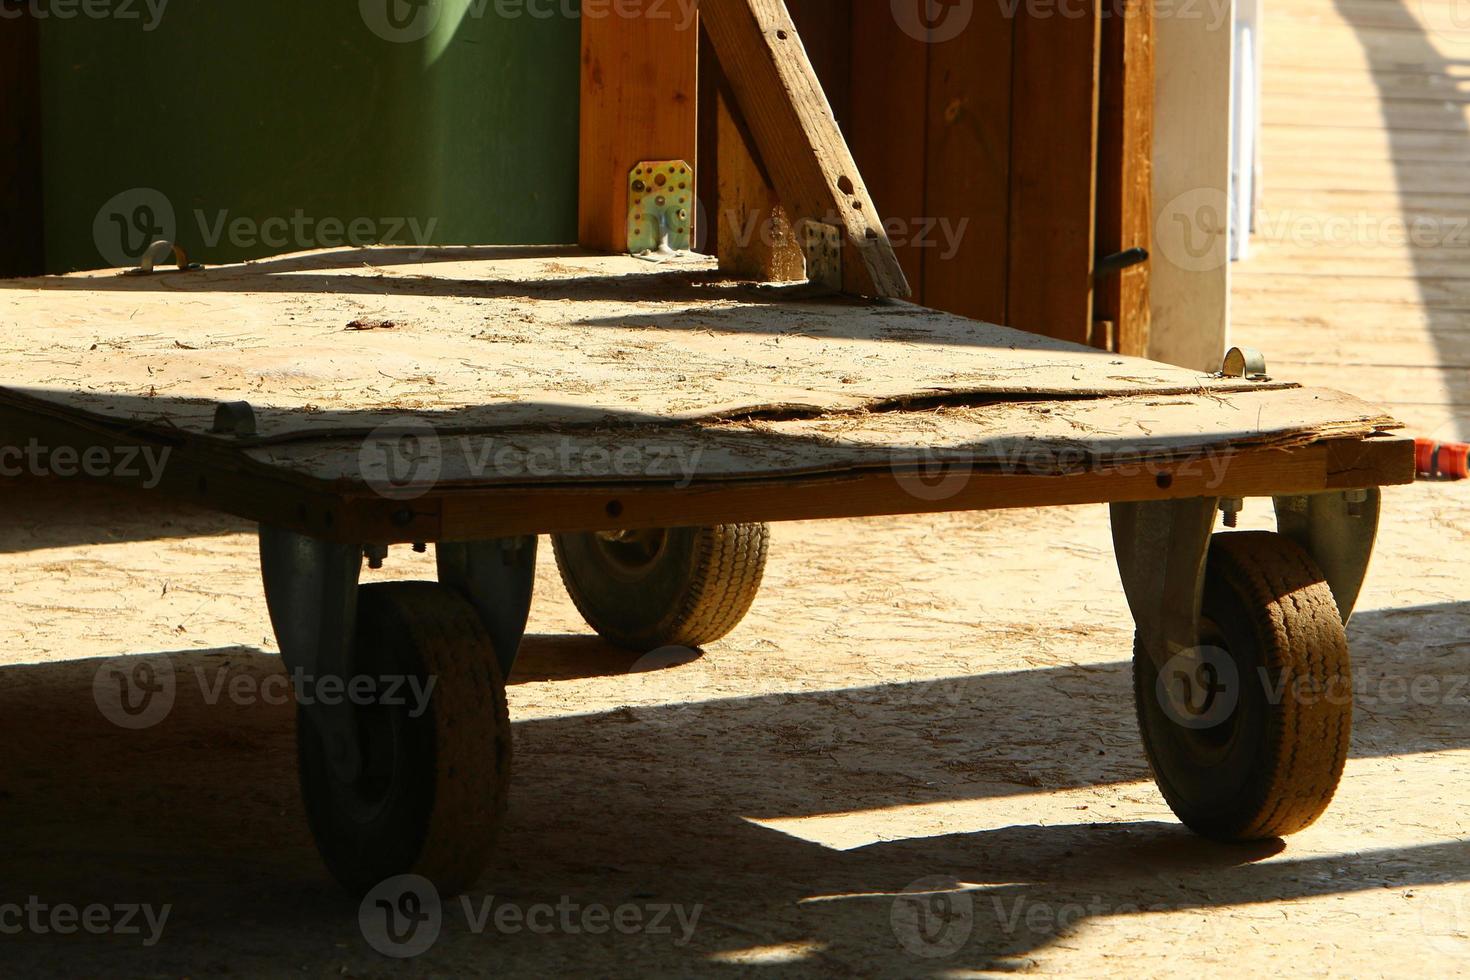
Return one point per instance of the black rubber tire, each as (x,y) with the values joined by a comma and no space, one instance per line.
(681,587)
(1265,752)
(433,790)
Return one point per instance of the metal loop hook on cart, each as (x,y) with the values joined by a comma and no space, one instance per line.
(1245,362)
(159,251)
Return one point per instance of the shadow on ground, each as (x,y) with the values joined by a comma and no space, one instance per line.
(201,812)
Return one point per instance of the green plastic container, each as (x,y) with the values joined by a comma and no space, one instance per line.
(249,129)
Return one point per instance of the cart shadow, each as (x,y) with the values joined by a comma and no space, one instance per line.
(547,657)
(201,811)
(44,512)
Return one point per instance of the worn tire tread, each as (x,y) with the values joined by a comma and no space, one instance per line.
(728,565)
(470,755)
(1296,622)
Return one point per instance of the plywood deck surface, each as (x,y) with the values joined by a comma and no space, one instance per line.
(557,355)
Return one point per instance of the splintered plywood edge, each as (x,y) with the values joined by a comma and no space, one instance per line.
(1035,438)
(796,133)
(219,476)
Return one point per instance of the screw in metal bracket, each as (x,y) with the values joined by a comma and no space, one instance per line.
(375,554)
(419,547)
(1231,508)
(660,207)
(1355,501)
(822,247)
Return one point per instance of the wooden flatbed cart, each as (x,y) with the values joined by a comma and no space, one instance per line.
(650,417)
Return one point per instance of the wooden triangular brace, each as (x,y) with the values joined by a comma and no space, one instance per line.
(796,136)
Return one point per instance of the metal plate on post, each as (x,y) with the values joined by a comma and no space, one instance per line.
(822,245)
(660,207)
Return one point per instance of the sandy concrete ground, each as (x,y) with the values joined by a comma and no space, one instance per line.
(917,756)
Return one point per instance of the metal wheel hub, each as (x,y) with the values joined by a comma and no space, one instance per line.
(632,551)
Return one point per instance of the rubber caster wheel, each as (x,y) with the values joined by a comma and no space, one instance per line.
(665,587)
(1247,736)
(431,793)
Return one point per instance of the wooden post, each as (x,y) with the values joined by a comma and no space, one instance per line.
(1125,170)
(22,246)
(639,87)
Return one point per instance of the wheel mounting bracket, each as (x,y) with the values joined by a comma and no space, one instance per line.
(1161,547)
(311,592)
(497,576)
(1338,530)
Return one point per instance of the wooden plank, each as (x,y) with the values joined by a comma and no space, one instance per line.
(1125,170)
(639,87)
(968,170)
(745,225)
(1323,466)
(22,245)
(1053,173)
(1336,288)
(796,134)
(888,124)
(1429,292)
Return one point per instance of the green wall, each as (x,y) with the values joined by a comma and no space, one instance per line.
(299,112)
